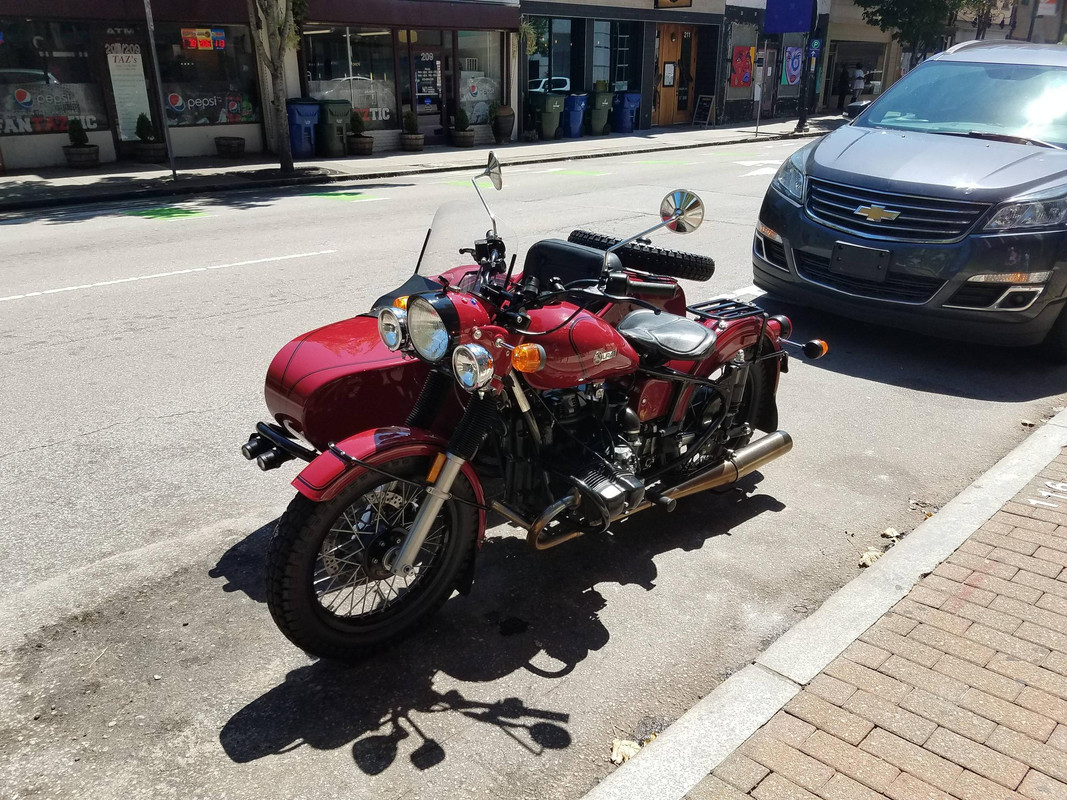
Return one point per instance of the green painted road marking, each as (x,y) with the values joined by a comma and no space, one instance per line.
(351,197)
(164,212)
(680,163)
(579,172)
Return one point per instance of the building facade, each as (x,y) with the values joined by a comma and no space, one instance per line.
(90,61)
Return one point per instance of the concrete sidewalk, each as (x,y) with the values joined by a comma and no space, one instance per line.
(957,691)
(58,186)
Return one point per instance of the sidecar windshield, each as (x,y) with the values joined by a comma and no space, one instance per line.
(458,225)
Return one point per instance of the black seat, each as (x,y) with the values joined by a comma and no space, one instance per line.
(667,335)
(555,258)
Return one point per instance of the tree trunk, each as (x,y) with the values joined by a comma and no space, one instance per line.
(282,145)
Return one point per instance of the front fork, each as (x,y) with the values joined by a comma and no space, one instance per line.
(467,438)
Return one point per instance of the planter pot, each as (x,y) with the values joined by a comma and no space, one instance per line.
(411,141)
(359,145)
(150,152)
(78,157)
(230,146)
(502,127)
(462,138)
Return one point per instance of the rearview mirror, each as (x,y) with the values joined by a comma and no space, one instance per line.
(682,210)
(492,169)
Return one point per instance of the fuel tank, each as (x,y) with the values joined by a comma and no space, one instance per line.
(585,349)
(340,379)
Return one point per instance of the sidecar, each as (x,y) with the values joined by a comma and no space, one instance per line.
(338,380)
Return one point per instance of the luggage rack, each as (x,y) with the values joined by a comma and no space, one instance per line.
(724,309)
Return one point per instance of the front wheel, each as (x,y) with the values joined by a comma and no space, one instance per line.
(327,587)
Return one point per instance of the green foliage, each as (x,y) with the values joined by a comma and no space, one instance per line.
(144,130)
(533,31)
(411,122)
(76,133)
(916,24)
(463,122)
(355,122)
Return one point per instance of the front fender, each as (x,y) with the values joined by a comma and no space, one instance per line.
(327,476)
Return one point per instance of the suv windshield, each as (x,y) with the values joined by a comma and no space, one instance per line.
(1025,101)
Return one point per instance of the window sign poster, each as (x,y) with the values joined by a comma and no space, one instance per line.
(741,75)
(218,39)
(189,41)
(791,66)
(668,73)
(203,38)
(128,86)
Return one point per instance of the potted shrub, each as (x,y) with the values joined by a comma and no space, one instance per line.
(230,146)
(411,139)
(79,152)
(358,144)
(147,149)
(462,135)
(502,118)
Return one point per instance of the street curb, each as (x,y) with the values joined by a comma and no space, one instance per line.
(149,192)
(680,757)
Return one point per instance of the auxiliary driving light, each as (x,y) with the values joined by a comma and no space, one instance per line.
(392,327)
(528,358)
(473,366)
(1012,277)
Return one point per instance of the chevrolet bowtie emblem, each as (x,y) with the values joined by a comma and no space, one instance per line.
(876,213)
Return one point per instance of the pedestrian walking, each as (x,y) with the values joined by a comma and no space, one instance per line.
(858,82)
(844,83)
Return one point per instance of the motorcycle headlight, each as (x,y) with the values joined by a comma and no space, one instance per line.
(431,326)
(789,179)
(392,327)
(1030,215)
(473,366)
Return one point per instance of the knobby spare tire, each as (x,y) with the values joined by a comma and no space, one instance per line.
(650,259)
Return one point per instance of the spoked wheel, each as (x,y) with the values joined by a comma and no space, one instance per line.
(328,586)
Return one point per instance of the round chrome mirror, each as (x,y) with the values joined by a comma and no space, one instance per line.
(492,169)
(684,210)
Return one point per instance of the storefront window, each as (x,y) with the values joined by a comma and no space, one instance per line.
(46,78)
(601,52)
(625,56)
(481,72)
(354,64)
(209,74)
(556,62)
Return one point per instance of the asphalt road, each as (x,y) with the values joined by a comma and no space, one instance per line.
(133,344)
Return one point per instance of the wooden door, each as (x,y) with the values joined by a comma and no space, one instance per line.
(676,94)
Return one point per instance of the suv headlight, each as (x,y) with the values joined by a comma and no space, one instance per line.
(473,365)
(430,333)
(789,179)
(1029,215)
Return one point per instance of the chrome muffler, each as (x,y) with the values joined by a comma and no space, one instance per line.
(744,461)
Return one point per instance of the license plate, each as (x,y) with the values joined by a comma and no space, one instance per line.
(865,263)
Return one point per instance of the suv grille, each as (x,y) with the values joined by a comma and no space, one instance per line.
(922,219)
(897,287)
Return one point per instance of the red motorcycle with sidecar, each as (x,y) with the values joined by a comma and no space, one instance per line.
(564,398)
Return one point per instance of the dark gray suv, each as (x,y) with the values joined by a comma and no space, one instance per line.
(942,208)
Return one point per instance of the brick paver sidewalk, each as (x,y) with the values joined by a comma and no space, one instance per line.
(960,691)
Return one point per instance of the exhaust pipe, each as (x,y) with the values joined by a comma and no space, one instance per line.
(743,462)
(535,531)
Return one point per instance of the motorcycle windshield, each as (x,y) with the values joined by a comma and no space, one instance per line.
(457,226)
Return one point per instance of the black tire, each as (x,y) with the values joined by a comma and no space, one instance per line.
(646,258)
(1054,347)
(296,549)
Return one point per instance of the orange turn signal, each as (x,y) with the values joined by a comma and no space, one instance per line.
(435,468)
(528,358)
(401,302)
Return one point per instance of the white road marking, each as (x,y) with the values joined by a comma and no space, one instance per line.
(760,171)
(98,284)
(751,292)
(761,163)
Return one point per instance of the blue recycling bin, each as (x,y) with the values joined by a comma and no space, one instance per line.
(574,115)
(623,110)
(303,116)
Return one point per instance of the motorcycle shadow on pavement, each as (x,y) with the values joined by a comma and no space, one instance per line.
(924,363)
(537,612)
